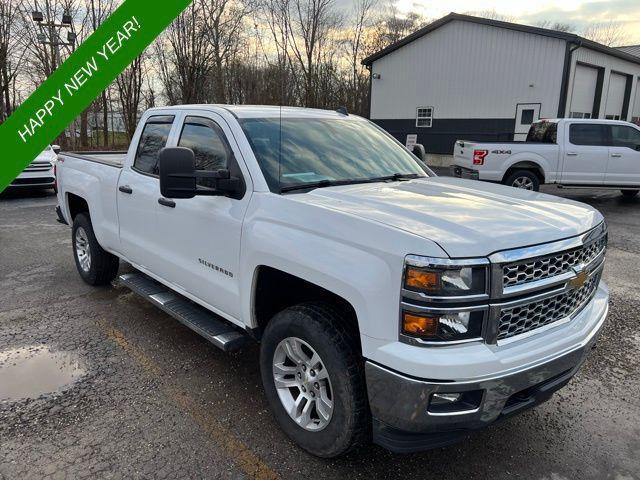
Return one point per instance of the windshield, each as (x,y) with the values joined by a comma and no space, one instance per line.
(325,151)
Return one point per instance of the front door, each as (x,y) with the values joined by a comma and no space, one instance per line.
(200,237)
(585,154)
(526,114)
(624,156)
(137,195)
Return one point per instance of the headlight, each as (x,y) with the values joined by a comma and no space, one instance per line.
(441,299)
(444,278)
(443,326)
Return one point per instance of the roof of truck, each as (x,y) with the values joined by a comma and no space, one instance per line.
(261,111)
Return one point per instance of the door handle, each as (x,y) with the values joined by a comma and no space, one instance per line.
(572,154)
(125,189)
(167,203)
(616,155)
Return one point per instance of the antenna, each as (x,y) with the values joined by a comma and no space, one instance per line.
(280,152)
(342,110)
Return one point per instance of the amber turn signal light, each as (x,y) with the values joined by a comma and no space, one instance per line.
(421,279)
(419,325)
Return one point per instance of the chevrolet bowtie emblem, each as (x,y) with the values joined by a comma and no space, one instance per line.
(579,280)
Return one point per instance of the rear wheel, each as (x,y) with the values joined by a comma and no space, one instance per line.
(524,179)
(95,265)
(314,380)
(629,193)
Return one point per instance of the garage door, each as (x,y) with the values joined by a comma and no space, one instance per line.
(635,113)
(615,96)
(584,91)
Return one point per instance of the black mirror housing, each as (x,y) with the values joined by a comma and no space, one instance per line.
(56,149)
(177,172)
(420,152)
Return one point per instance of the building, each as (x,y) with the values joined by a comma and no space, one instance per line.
(465,77)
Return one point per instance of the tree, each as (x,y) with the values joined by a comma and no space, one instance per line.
(10,56)
(130,84)
(185,57)
(608,33)
(360,22)
(225,20)
(312,22)
(557,26)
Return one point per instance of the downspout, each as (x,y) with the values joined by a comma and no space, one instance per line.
(566,73)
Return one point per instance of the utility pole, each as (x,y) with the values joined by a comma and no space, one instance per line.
(50,33)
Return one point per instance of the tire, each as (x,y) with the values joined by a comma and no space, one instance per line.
(524,179)
(321,328)
(96,266)
(629,193)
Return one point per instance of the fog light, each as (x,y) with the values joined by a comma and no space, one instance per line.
(444,398)
(448,403)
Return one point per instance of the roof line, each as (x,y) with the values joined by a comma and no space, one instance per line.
(569,37)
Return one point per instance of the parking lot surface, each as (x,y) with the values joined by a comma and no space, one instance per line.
(138,395)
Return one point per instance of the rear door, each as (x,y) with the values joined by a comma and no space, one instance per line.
(138,192)
(624,156)
(526,114)
(199,238)
(586,153)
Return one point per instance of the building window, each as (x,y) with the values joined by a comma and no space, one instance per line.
(612,117)
(527,117)
(580,115)
(424,117)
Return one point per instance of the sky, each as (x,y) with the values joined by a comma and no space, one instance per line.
(579,13)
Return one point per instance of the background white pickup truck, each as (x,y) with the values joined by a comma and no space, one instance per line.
(390,304)
(569,152)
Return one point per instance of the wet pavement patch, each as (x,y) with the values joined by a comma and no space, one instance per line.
(32,371)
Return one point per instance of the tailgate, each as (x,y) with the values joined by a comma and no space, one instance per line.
(463,153)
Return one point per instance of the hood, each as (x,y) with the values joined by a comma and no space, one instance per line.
(46,155)
(465,218)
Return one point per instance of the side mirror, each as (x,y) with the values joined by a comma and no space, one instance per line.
(177,172)
(420,152)
(56,149)
(178,177)
(638,148)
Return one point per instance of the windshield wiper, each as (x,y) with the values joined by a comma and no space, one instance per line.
(397,177)
(351,181)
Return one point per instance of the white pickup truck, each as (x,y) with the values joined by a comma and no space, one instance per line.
(567,152)
(391,304)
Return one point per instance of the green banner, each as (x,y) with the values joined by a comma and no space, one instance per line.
(80,79)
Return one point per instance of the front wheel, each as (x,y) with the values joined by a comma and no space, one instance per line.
(95,265)
(629,193)
(524,179)
(314,380)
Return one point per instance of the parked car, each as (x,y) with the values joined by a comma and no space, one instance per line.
(567,152)
(41,172)
(390,304)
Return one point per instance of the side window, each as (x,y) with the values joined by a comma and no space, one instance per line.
(208,143)
(625,136)
(594,134)
(153,139)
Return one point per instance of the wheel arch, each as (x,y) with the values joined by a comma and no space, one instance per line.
(273,290)
(531,165)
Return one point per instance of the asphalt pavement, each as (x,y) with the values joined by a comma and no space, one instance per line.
(137,395)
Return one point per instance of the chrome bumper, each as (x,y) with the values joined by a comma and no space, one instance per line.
(400,404)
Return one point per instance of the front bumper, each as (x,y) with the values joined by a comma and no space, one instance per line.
(463,172)
(400,404)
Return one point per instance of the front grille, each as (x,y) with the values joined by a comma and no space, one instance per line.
(33,181)
(551,265)
(524,318)
(38,167)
